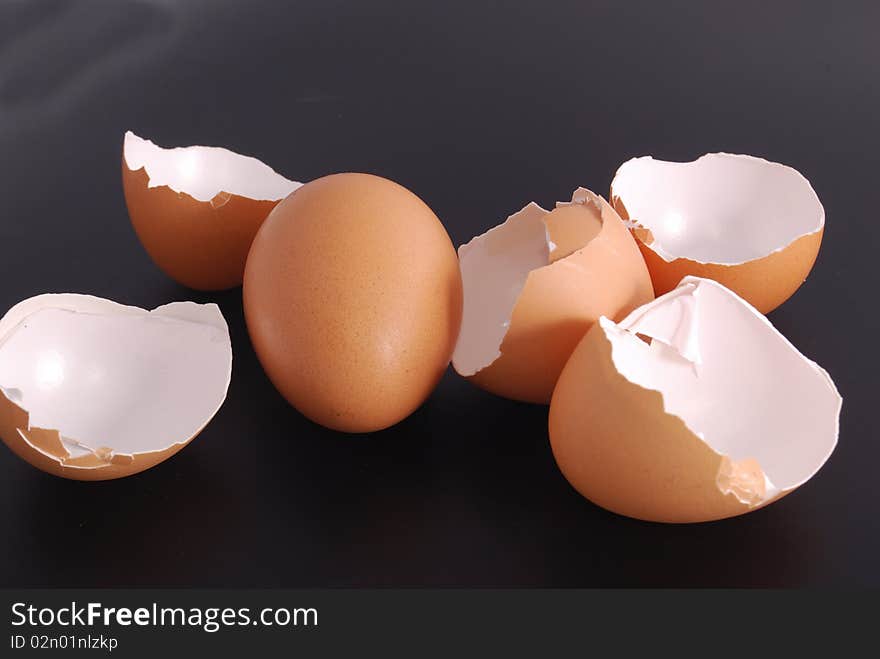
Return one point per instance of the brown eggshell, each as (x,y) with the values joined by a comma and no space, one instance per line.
(200,244)
(596,270)
(627,446)
(766,282)
(724,203)
(353,301)
(43,449)
(95,363)
(639,461)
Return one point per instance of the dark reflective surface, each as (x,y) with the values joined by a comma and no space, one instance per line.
(478,110)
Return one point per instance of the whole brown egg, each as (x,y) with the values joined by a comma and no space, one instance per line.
(353,301)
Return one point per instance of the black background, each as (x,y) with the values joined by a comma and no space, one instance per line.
(479,108)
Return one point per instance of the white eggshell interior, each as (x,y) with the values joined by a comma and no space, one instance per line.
(721,208)
(494,269)
(734,380)
(109,376)
(203,172)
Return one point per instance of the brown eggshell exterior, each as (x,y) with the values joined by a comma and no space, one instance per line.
(765,283)
(200,244)
(616,446)
(353,301)
(87,468)
(559,303)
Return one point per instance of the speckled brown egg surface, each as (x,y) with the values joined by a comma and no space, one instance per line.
(353,301)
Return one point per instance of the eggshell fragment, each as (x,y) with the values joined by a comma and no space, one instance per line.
(751,224)
(535,284)
(352,296)
(692,408)
(93,390)
(197,209)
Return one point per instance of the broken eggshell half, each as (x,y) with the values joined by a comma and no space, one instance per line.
(535,284)
(93,390)
(197,209)
(692,408)
(751,224)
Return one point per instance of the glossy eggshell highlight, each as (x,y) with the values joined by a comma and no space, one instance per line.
(353,301)
(562,300)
